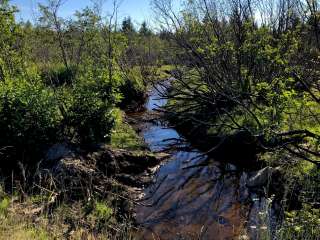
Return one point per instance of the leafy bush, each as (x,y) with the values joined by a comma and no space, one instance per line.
(4,205)
(102,211)
(302,224)
(29,116)
(58,75)
(87,111)
(34,116)
(100,214)
(133,90)
(11,54)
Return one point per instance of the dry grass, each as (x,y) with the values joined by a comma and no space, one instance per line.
(25,220)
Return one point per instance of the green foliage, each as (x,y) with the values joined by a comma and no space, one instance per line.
(302,224)
(57,76)
(123,136)
(132,89)
(11,46)
(127,26)
(29,114)
(102,211)
(100,214)
(36,233)
(33,114)
(67,86)
(87,110)
(237,73)
(91,220)
(61,81)
(4,205)
(249,85)
(144,30)
(164,71)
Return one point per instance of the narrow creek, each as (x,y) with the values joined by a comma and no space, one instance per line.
(192,200)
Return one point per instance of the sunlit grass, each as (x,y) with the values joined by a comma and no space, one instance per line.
(94,220)
(123,135)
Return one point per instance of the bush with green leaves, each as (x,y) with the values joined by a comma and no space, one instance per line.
(132,89)
(87,109)
(302,224)
(4,205)
(34,116)
(29,116)
(58,75)
(11,44)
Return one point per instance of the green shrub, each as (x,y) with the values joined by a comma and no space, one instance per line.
(102,211)
(132,90)
(58,75)
(123,135)
(4,205)
(303,188)
(302,224)
(29,116)
(33,116)
(88,111)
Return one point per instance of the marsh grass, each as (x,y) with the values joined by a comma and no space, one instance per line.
(303,222)
(29,219)
(123,135)
(299,207)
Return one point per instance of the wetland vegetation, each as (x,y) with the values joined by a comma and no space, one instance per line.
(203,123)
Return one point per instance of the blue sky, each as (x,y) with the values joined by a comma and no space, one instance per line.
(139,10)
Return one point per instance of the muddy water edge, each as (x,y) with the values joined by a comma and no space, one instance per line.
(193,196)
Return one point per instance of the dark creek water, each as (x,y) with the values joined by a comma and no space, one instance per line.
(193,197)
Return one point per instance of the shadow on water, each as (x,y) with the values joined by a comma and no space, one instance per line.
(192,197)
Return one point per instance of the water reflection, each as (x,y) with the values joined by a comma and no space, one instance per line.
(192,197)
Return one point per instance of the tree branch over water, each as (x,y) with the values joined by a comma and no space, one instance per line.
(239,72)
